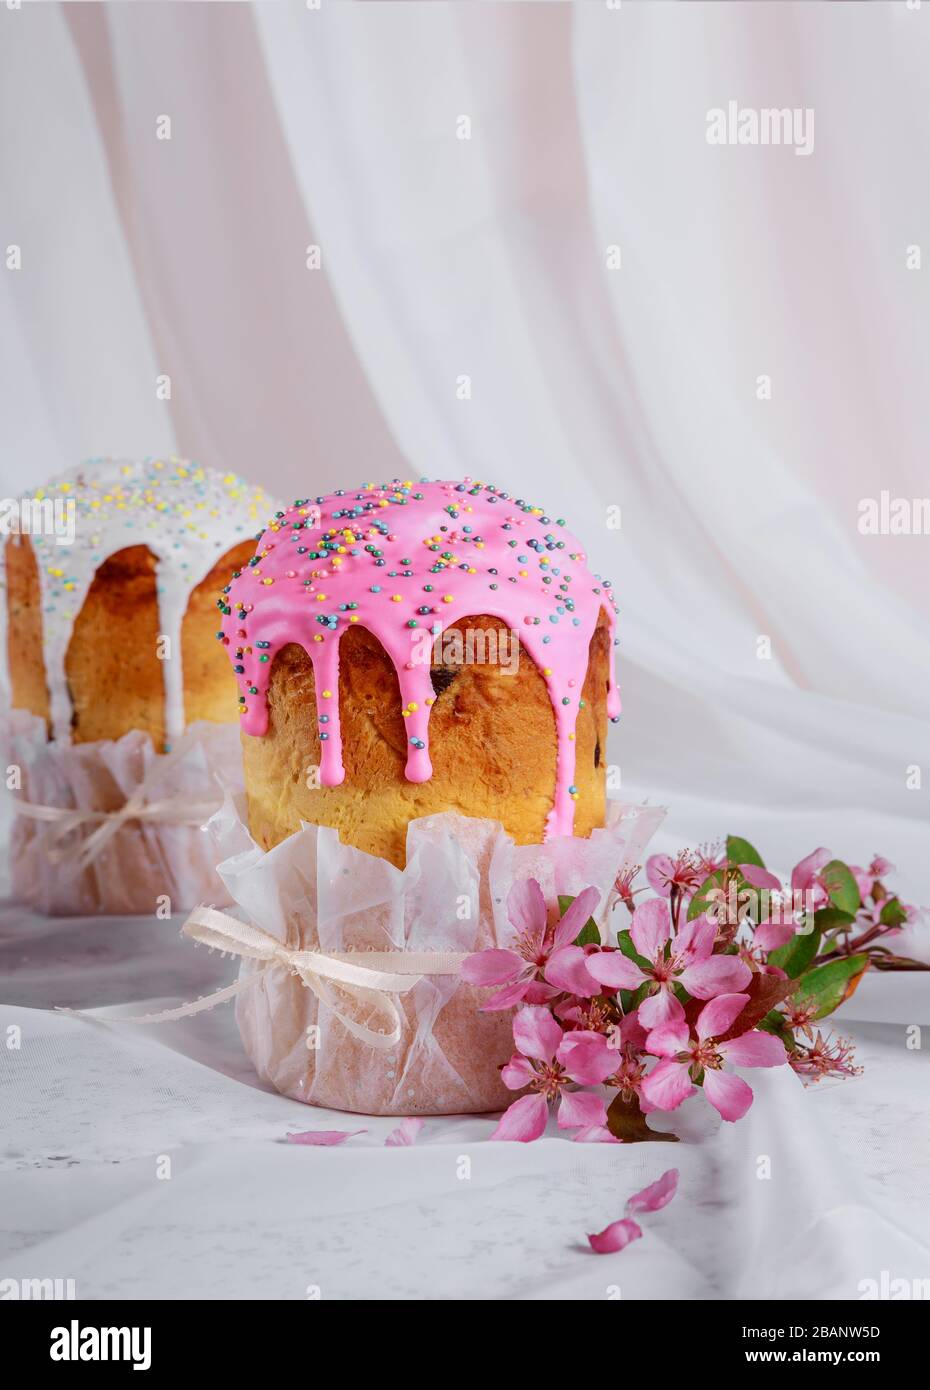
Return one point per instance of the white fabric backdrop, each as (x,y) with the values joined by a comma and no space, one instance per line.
(487,257)
(591,388)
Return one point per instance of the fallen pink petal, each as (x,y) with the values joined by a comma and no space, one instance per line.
(405,1134)
(656,1196)
(616,1236)
(323,1138)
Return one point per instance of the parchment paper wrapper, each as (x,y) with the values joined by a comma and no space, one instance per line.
(144,861)
(314,893)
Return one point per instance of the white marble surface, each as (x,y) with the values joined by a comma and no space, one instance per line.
(90,1110)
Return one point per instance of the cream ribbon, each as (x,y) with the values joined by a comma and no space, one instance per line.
(169,810)
(173,810)
(383,974)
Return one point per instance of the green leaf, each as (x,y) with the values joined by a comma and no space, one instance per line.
(797,954)
(740,851)
(892,913)
(589,934)
(707,895)
(830,984)
(630,999)
(841,886)
(829,918)
(774,1022)
(628,947)
(626,1121)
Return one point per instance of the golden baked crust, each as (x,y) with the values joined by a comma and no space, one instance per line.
(492,745)
(208,691)
(28,686)
(112,666)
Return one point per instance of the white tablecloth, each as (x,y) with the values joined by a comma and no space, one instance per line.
(90,1110)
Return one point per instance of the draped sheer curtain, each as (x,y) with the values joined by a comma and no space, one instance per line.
(533,269)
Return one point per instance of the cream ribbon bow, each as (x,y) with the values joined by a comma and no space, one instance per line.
(336,978)
(169,810)
(173,810)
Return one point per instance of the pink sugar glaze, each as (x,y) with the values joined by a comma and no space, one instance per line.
(482,551)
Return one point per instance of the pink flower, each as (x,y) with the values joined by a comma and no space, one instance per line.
(689,961)
(544,960)
(768,936)
(620,1233)
(628,1041)
(549,1060)
(806,877)
(623,885)
(824,1058)
(686,1058)
(665,873)
(863,881)
(866,879)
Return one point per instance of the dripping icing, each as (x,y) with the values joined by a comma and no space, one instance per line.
(187,516)
(404,559)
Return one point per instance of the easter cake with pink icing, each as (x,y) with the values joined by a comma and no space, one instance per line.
(410,648)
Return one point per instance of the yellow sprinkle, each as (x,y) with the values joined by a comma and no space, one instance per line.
(320,598)
(267,581)
(405,713)
(522,573)
(395,598)
(448,598)
(353,618)
(547,670)
(327,694)
(317,638)
(412,705)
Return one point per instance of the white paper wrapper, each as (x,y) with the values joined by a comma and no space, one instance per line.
(144,862)
(314,893)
